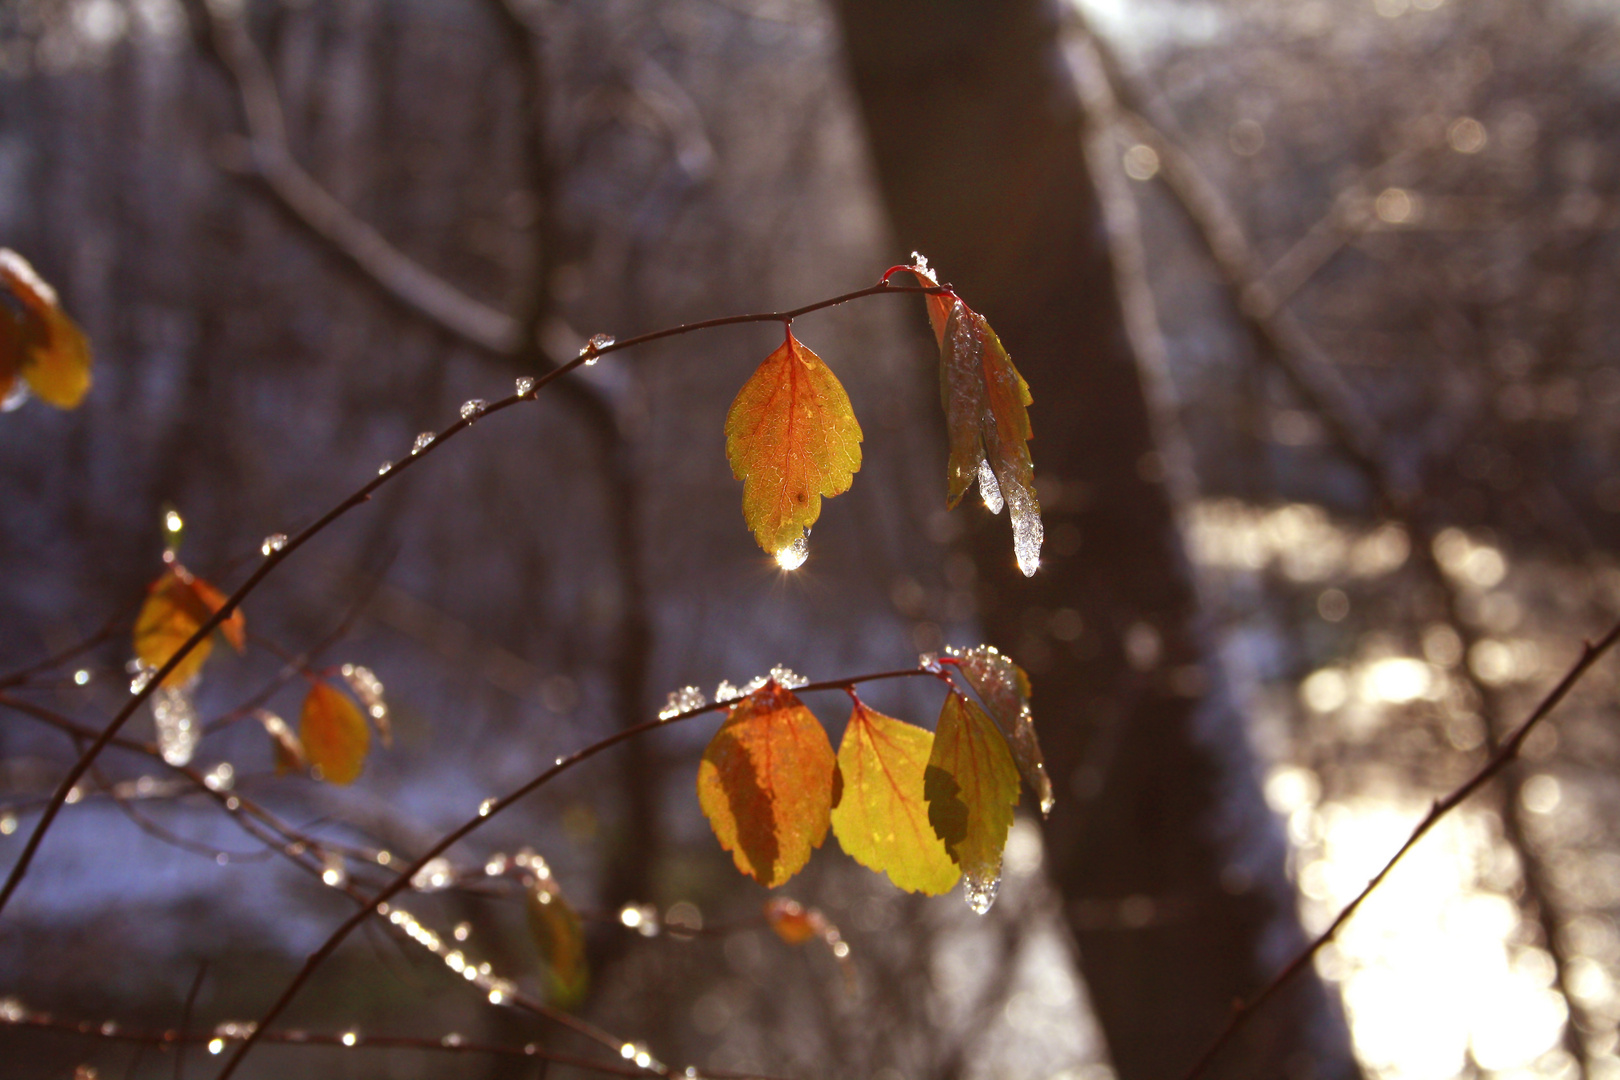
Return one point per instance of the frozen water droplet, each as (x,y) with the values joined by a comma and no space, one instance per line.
(216,1045)
(8,823)
(451,1039)
(726,692)
(929,662)
(142,673)
(385,468)
(423,441)
(350,1037)
(525,386)
(683,700)
(109,1027)
(333,871)
(462,931)
(793,556)
(753,684)
(627,1051)
(81,677)
(496,866)
(435,874)
(11,1010)
(980,890)
(177,729)
(15,397)
(989,490)
(486,807)
(786,676)
(273,543)
(472,410)
(220,777)
(597,343)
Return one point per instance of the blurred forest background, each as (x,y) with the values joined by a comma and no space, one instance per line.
(1314,297)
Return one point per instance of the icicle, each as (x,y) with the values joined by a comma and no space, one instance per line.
(989,490)
(980,891)
(178,731)
(1028,532)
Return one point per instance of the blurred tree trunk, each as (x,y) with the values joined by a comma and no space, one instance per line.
(1170,867)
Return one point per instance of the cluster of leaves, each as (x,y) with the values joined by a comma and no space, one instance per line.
(333,735)
(792,437)
(925,808)
(41,350)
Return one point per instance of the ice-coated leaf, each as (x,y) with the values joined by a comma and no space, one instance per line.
(940,304)
(881,819)
(987,424)
(792,439)
(176,605)
(1004,688)
(37,340)
(555,927)
(971,786)
(334,734)
(766,784)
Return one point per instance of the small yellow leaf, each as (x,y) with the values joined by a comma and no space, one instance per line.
(176,605)
(334,734)
(971,786)
(555,927)
(39,341)
(766,784)
(881,819)
(791,438)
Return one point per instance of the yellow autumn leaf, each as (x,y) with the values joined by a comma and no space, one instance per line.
(766,784)
(38,341)
(971,786)
(334,734)
(792,439)
(177,604)
(881,819)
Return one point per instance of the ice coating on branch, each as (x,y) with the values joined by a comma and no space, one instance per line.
(140,674)
(385,468)
(423,441)
(980,891)
(178,731)
(597,343)
(929,662)
(369,689)
(989,490)
(919,261)
(273,543)
(793,556)
(436,874)
(472,410)
(333,870)
(726,692)
(524,386)
(787,677)
(685,699)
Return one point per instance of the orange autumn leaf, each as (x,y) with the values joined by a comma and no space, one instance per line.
(334,734)
(177,604)
(1003,686)
(796,924)
(881,819)
(38,342)
(792,439)
(971,786)
(766,784)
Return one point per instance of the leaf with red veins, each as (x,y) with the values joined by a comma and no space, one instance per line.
(792,439)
